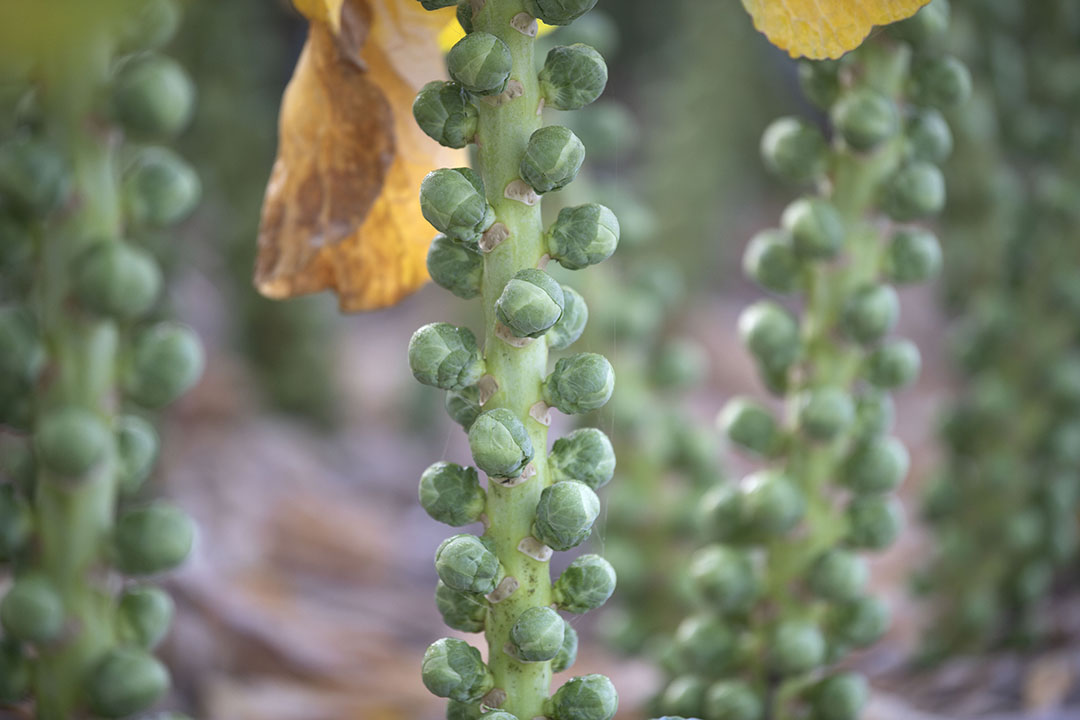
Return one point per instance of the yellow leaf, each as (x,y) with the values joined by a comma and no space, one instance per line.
(820,29)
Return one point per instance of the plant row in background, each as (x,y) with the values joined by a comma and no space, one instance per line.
(85,358)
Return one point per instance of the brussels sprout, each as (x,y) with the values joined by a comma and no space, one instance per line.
(571,324)
(929,23)
(481,63)
(820,82)
(452,200)
(558,12)
(498,715)
(838,575)
(860,623)
(894,364)
(721,511)
(34,176)
(145,614)
(530,304)
(537,634)
(500,445)
(877,465)
(125,681)
(455,266)
(15,523)
(913,256)
(771,262)
(772,503)
(916,190)
(32,610)
(152,539)
(70,441)
(466,564)
(452,494)
(453,669)
(585,585)
(579,383)
(118,280)
(866,118)
(565,514)
(464,611)
(816,228)
(152,96)
(15,672)
(445,113)
(159,188)
(552,159)
(151,26)
(445,356)
(771,334)
(684,694)
(794,150)
(798,647)
(839,697)
(564,660)
(573,76)
(166,363)
(585,455)
(137,448)
(874,521)
(929,137)
(589,697)
(732,700)
(870,313)
(679,365)
(825,412)
(941,82)
(583,235)
(463,406)
(21,354)
(462,711)
(724,577)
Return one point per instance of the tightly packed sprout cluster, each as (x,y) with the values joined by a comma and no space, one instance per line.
(782,583)
(1004,507)
(492,245)
(84,362)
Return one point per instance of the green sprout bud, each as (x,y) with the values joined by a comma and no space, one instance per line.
(564,660)
(463,406)
(537,635)
(565,514)
(683,695)
(445,113)
(462,711)
(916,190)
(840,697)
(733,700)
(117,280)
(724,577)
(862,622)
(571,323)
(839,575)
(913,256)
(71,440)
(465,16)
(160,189)
(452,200)
(500,445)
(866,118)
(558,12)
(124,682)
(481,63)
(151,26)
(34,176)
(16,523)
(452,494)
(152,96)
(585,455)
(464,611)
(454,669)
(589,697)
(498,715)
(445,356)
(794,150)
(137,448)
(820,82)
(21,354)
(152,539)
(466,563)
(877,465)
(941,82)
(721,512)
(166,363)
(875,413)
(825,412)
(870,313)
(32,610)
(530,304)
(583,236)
(455,266)
(894,365)
(573,76)
(15,672)
(925,26)
(579,383)
(145,614)
(771,333)
(772,503)
(552,159)
(874,521)
(798,647)
(771,262)
(585,585)
(817,230)
(705,640)
(929,137)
